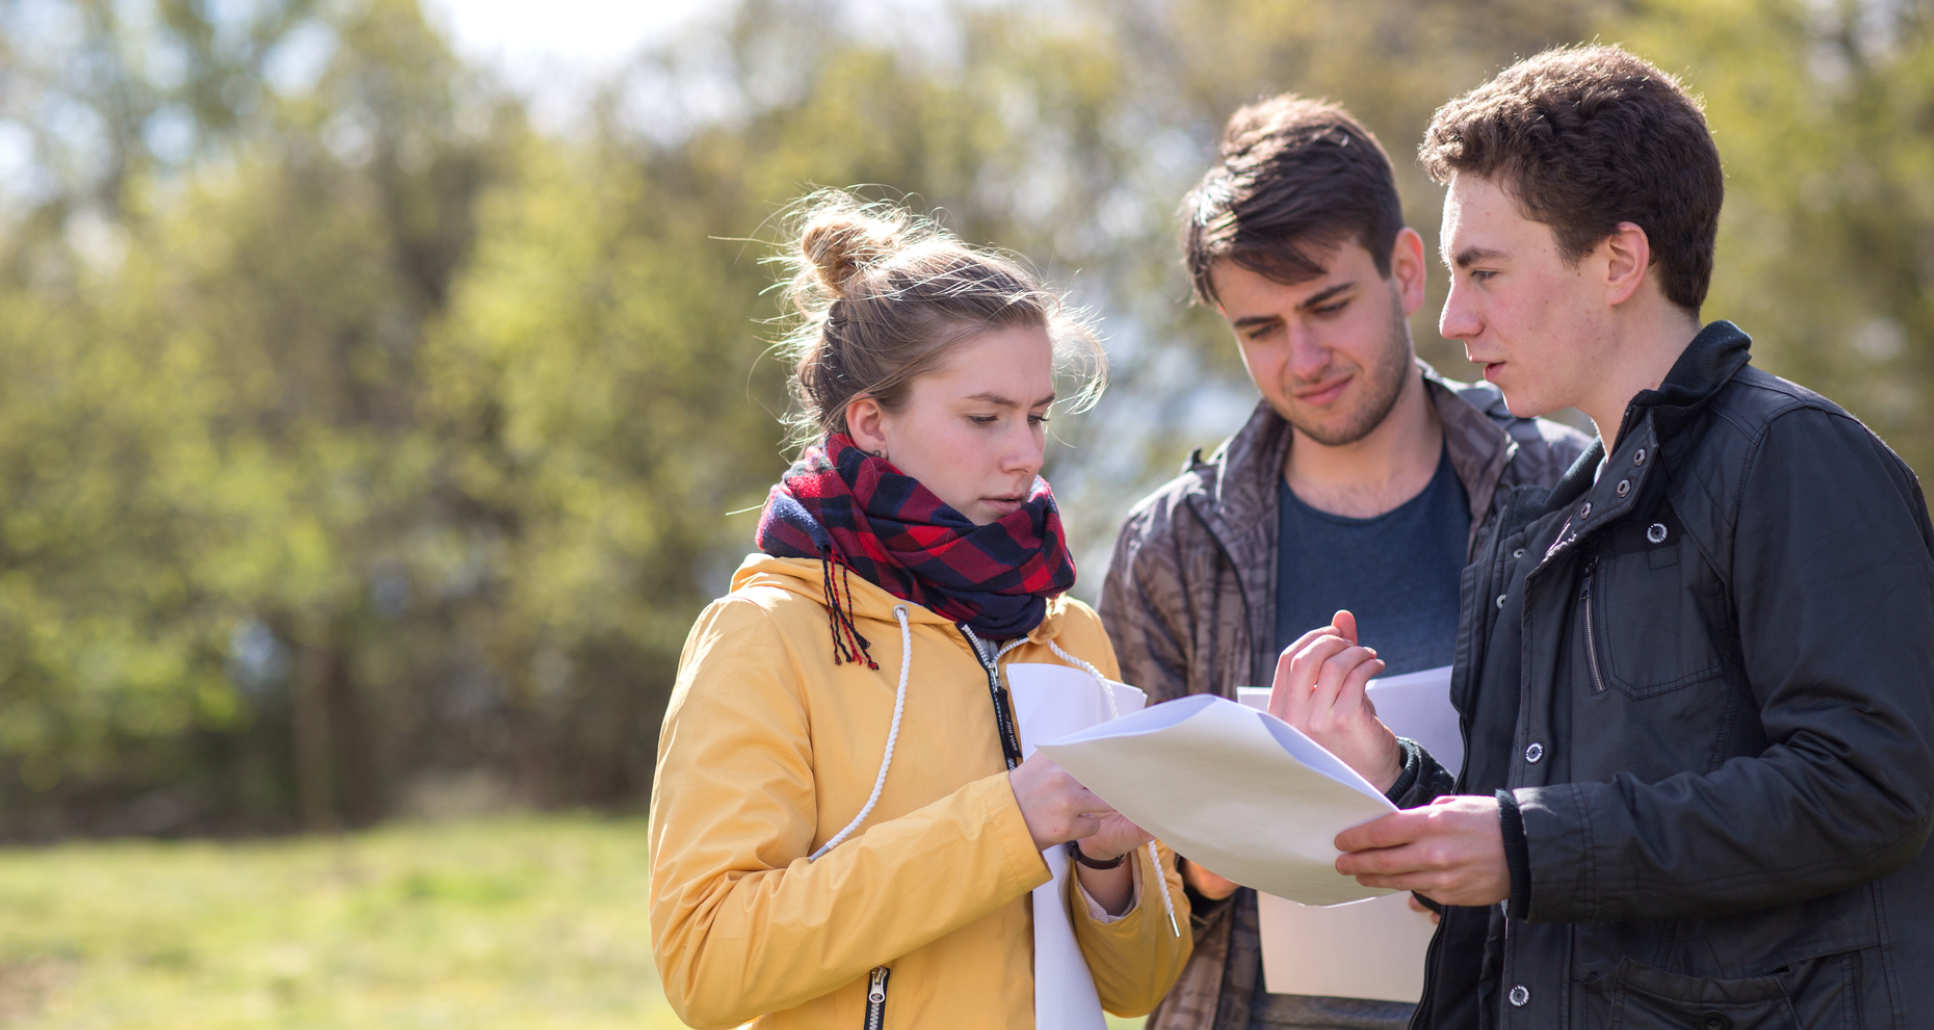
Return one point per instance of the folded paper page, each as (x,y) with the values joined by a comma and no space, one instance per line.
(1052,701)
(1233,788)
(1374,948)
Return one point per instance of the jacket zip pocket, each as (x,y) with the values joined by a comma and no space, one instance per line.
(1591,629)
(876,997)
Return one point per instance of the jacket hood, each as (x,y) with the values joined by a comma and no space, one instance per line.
(806,577)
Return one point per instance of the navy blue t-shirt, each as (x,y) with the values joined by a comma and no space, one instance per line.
(1396,572)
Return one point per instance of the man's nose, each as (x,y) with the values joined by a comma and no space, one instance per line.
(1308,355)
(1458,321)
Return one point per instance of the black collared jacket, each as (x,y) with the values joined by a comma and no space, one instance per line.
(1705,682)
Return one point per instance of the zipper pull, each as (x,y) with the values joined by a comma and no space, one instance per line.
(876,999)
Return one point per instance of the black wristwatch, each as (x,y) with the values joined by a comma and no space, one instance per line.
(1074,852)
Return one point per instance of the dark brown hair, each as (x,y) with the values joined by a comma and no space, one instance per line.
(883,295)
(1584,138)
(1295,175)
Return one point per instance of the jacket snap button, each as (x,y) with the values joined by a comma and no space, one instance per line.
(1716,1021)
(1500,602)
(1535,752)
(1520,997)
(1519,553)
(1585,510)
(1655,532)
(1638,456)
(1624,487)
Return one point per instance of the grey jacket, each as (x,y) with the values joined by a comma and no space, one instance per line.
(1705,683)
(1190,597)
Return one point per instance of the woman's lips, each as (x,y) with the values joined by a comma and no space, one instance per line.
(1002,506)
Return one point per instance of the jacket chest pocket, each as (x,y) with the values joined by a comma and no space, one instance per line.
(1647,632)
(1644,999)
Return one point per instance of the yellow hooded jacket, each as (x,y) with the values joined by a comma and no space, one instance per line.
(769,750)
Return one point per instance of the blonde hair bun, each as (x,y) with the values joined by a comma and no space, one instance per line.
(841,244)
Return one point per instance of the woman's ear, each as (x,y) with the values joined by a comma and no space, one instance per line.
(866,424)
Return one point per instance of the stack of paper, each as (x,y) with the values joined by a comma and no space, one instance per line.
(1249,797)
(1233,788)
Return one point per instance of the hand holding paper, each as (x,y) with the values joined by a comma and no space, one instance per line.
(1451,851)
(1055,806)
(1231,787)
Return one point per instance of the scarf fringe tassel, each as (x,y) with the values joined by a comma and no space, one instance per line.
(848,644)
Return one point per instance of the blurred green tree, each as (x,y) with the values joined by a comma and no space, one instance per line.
(357,432)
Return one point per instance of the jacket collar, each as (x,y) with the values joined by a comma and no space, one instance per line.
(1709,362)
(1713,358)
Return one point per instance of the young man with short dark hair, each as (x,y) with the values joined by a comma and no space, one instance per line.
(1360,480)
(1699,769)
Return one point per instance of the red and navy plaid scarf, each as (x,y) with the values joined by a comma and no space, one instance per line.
(855,511)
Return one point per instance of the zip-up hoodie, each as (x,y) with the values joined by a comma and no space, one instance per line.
(770,750)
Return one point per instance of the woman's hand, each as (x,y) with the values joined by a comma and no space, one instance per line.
(1116,836)
(1058,808)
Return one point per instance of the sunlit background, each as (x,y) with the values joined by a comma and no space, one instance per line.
(383,390)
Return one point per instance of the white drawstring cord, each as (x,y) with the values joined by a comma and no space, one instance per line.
(1114,712)
(892,735)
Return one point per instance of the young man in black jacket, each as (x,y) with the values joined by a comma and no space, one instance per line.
(1695,676)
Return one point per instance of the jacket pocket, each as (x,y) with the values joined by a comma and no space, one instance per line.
(1647,630)
(1643,998)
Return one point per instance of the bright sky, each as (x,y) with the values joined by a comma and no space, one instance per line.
(554,37)
(555,51)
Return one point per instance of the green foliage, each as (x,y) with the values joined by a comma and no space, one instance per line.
(355,432)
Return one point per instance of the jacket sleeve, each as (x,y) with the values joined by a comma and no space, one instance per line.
(1134,958)
(742,923)
(1833,590)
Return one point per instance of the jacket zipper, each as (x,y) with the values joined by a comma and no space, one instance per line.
(876,998)
(1591,630)
(1003,720)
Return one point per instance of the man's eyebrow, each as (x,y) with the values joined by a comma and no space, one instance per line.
(1472,255)
(1314,300)
(1003,401)
(1321,297)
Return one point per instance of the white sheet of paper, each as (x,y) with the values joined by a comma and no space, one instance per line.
(1051,701)
(1233,788)
(1417,705)
(1374,948)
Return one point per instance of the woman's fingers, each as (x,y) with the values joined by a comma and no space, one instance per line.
(1055,806)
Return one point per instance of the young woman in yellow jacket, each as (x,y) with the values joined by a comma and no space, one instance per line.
(843,833)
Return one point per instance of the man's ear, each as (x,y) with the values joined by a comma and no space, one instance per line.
(866,423)
(1628,256)
(1408,269)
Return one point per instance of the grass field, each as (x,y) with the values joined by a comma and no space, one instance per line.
(506,922)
